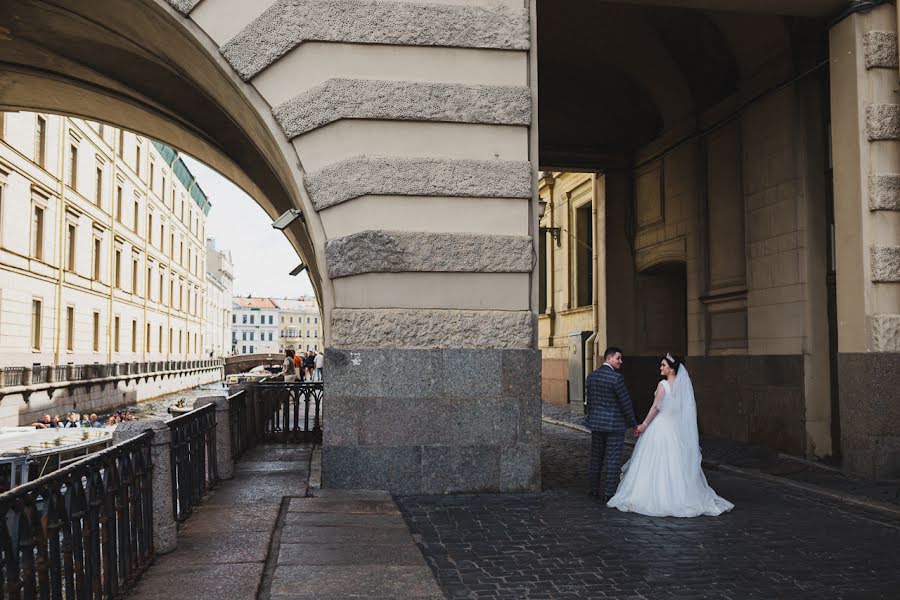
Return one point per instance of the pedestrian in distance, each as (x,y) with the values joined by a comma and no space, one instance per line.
(610,414)
(287,367)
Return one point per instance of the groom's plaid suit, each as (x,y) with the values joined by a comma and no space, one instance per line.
(610,413)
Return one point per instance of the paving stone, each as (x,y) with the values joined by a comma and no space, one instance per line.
(345,520)
(216,548)
(359,581)
(254,488)
(407,554)
(360,494)
(208,519)
(343,505)
(222,582)
(277,466)
(310,534)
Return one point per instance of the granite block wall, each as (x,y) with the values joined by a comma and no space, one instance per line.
(433,421)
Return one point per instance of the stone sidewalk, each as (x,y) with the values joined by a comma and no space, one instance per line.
(771,465)
(259,536)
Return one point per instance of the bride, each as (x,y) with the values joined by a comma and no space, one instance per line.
(663,477)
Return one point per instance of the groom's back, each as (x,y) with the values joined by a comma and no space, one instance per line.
(604,406)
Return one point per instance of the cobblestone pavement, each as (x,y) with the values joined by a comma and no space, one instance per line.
(561,544)
(770,462)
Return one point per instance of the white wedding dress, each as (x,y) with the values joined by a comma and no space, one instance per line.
(664,477)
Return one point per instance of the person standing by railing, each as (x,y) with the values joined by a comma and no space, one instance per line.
(320,364)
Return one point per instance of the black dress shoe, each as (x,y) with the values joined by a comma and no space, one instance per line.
(606,499)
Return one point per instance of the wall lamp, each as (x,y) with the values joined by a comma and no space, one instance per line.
(282,222)
(554,232)
(298,269)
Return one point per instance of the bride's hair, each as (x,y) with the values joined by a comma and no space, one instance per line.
(673,361)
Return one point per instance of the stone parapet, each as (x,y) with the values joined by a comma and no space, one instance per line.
(288,23)
(380,175)
(406,251)
(338,98)
(429,328)
(433,421)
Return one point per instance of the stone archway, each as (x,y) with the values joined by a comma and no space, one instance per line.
(403,133)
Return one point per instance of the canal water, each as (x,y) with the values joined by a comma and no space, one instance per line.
(157,408)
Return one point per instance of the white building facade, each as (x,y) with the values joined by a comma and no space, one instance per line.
(102,252)
(217,312)
(255,326)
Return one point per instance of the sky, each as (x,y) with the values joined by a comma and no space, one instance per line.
(261,255)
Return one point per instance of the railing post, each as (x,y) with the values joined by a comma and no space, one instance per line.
(224,453)
(164,527)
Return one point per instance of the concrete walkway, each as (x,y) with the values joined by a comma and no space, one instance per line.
(259,536)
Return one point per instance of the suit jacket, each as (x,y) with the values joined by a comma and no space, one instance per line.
(609,405)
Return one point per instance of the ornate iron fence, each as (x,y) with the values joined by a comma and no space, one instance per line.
(193,448)
(292,410)
(84,531)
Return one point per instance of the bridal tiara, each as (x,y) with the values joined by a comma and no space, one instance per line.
(670,358)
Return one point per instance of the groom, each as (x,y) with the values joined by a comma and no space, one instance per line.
(610,413)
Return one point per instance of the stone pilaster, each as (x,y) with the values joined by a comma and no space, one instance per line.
(224,456)
(164,525)
(866,146)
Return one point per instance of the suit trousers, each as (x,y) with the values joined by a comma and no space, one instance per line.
(606,450)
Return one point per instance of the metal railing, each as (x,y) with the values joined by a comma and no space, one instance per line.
(42,374)
(292,410)
(84,531)
(193,448)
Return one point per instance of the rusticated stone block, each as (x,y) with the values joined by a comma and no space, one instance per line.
(884,192)
(184,6)
(385,373)
(378,175)
(883,122)
(886,333)
(881,50)
(885,264)
(288,23)
(427,328)
(337,99)
(406,251)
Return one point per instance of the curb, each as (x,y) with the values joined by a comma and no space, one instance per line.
(859,501)
(315,470)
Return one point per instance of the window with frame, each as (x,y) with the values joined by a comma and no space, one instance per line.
(137,215)
(119,193)
(98,185)
(152,175)
(147,339)
(97,252)
(117,271)
(583,256)
(71,238)
(134,275)
(116,333)
(137,158)
(96,332)
(36,310)
(120,151)
(70,328)
(73,166)
(159,340)
(40,142)
(134,335)
(37,232)
(171,336)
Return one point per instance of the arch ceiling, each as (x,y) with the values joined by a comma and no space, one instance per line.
(614,76)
